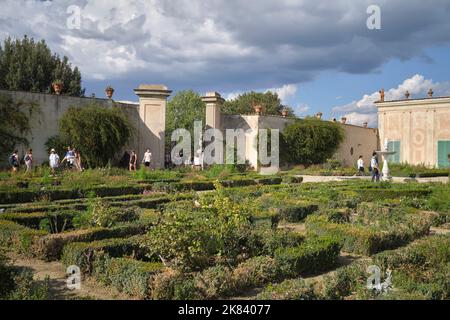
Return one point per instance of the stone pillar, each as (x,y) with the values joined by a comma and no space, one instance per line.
(214,103)
(152,124)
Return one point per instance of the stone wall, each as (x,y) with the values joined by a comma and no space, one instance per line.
(45,123)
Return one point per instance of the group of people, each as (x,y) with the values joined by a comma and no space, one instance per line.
(72,158)
(374,167)
(14,160)
(129,160)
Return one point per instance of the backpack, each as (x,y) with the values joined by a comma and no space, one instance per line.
(13,160)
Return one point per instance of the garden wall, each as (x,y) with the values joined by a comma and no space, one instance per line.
(52,107)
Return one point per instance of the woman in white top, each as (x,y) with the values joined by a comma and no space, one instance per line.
(54,160)
(147,158)
(361,165)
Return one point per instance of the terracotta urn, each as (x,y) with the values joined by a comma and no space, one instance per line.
(258,109)
(57,87)
(109,92)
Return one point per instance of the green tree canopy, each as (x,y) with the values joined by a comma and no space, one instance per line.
(310,141)
(182,110)
(14,123)
(98,132)
(27,65)
(243,103)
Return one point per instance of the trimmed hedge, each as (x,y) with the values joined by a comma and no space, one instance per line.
(298,211)
(368,240)
(126,275)
(19,238)
(380,194)
(313,255)
(33,220)
(83,254)
(50,247)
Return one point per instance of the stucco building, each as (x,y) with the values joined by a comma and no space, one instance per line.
(417,129)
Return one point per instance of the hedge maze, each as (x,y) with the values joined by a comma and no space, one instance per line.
(213,239)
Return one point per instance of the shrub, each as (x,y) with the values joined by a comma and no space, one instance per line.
(255,272)
(19,238)
(83,254)
(292,179)
(50,247)
(293,289)
(297,211)
(98,132)
(126,275)
(267,241)
(310,141)
(313,255)
(165,284)
(214,282)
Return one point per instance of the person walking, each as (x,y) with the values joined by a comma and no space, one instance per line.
(375,168)
(14,161)
(54,161)
(69,157)
(77,160)
(147,158)
(28,159)
(133,160)
(360,164)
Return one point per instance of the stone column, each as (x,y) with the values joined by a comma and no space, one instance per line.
(152,124)
(214,103)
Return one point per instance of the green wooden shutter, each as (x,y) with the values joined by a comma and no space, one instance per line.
(394,145)
(443,154)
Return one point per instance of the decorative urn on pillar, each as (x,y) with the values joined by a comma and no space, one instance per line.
(109,92)
(257,108)
(57,86)
(284,112)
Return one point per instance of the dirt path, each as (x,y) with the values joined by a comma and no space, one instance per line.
(57,277)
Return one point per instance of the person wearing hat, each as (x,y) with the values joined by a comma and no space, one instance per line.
(54,160)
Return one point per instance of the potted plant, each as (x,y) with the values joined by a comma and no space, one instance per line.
(57,86)
(109,92)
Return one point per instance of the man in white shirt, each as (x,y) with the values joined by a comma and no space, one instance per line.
(375,168)
(147,158)
(54,160)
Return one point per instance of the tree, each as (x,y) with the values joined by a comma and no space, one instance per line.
(14,123)
(310,141)
(182,110)
(243,104)
(98,132)
(27,65)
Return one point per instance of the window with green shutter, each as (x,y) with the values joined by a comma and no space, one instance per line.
(394,145)
(443,154)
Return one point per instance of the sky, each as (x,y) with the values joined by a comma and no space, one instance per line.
(318,55)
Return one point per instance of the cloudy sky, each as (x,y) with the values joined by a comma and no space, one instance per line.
(318,55)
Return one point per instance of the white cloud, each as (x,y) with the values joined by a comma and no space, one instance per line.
(238,44)
(285,92)
(364,110)
(301,109)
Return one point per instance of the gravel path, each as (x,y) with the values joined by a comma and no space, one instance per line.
(57,277)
